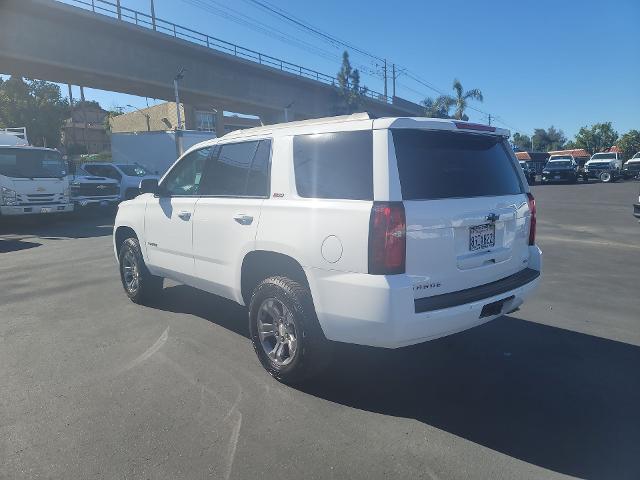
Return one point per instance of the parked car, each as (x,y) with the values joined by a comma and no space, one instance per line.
(90,190)
(631,169)
(529,173)
(560,168)
(606,167)
(384,232)
(128,175)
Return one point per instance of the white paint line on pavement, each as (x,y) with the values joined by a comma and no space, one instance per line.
(598,243)
(150,351)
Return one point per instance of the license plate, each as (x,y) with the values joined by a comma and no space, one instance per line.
(557,177)
(482,236)
(45,210)
(104,203)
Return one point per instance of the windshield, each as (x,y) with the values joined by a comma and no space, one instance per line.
(558,163)
(31,163)
(637,155)
(603,156)
(134,170)
(559,157)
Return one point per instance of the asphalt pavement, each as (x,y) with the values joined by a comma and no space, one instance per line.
(93,386)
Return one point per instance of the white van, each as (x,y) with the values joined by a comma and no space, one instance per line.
(384,232)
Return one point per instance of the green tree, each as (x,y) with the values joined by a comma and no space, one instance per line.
(547,140)
(438,107)
(597,138)
(350,92)
(462,98)
(35,104)
(521,141)
(629,144)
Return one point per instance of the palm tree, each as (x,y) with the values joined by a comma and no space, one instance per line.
(461,99)
(439,107)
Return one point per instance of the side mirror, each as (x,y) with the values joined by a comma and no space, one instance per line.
(149,185)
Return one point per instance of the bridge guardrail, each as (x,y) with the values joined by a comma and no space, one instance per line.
(141,19)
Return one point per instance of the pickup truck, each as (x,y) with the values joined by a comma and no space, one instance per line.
(631,169)
(605,166)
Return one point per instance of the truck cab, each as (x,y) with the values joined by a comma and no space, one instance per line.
(605,166)
(33,180)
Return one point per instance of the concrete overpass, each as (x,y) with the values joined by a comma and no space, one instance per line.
(52,41)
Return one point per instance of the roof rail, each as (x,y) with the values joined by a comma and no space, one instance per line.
(300,123)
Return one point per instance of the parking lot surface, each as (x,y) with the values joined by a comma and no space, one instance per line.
(93,386)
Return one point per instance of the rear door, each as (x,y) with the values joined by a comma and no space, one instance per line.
(226,217)
(466,209)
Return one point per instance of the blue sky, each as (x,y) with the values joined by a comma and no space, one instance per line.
(542,63)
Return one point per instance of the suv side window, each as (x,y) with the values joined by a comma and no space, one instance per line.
(334,165)
(238,170)
(184,178)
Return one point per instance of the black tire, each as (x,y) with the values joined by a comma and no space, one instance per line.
(313,352)
(148,287)
(606,177)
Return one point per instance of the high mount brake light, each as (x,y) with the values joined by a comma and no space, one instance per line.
(475,126)
(387,238)
(532,227)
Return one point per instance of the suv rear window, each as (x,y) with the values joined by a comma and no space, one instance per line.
(334,165)
(436,164)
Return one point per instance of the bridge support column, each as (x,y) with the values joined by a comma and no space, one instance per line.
(219,122)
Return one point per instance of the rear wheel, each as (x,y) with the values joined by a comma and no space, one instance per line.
(285,332)
(606,177)
(138,283)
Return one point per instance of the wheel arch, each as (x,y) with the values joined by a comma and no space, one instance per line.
(121,233)
(260,264)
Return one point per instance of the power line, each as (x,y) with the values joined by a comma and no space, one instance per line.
(305,25)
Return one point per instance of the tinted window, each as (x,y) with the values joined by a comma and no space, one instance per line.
(228,169)
(334,165)
(435,164)
(184,178)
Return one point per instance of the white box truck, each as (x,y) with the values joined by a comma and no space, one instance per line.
(33,180)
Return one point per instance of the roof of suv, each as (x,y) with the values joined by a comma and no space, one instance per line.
(308,126)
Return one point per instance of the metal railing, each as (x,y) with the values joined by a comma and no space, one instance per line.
(141,19)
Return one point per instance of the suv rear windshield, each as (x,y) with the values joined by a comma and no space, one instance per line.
(334,165)
(437,164)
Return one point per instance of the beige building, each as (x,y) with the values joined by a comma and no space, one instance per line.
(164,117)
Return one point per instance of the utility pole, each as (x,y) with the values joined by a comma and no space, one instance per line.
(72,140)
(489,119)
(83,109)
(384,69)
(179,126)
(394,79)
(118,9)
(153,15)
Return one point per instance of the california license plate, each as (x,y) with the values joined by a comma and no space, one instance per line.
(45,210)
(482,236)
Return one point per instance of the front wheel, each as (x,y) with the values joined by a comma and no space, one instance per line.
(285,332)
(138,283)
(606,177)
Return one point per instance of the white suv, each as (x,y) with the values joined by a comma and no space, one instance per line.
(384,232)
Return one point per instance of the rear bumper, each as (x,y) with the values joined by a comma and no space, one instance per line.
(36,209)
(381,311)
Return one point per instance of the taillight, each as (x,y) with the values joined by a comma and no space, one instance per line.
(475,126)
(532,228)
(387,238)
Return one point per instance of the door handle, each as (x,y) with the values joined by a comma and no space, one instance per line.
(243,219)
(184,215)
